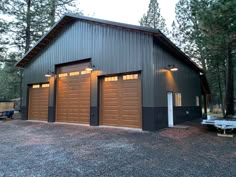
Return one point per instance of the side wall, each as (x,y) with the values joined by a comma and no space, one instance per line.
(185,81)
(111,50)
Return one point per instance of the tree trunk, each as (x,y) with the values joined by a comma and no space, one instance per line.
(220,89)
(52,13)
(229,91)
(28,23)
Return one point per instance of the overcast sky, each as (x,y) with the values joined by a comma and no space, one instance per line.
(126,11)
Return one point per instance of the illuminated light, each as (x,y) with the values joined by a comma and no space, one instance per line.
(49,74)
(45,85)
(76,73)
(89,69)
(36,86)
(174,69)
(130,77)
(86,72)
(63,75)
(109,79)
(201,73)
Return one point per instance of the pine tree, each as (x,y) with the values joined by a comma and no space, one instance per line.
(28,21)
(218,22)
(10,78)
(175,35)
(31,19)
(207,31)
(153,18)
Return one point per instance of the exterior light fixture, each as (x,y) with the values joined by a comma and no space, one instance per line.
(90,67)
(172,68)
(49,74)
(201,73)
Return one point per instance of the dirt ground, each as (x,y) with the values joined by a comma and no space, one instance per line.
(49,149)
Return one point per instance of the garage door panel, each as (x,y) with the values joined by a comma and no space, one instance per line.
(131,95)
(38,103)
(109,101)
(111,120)
(73,95)
(111,96)
(121,103)
(130,103)
(110,113)
(127,112)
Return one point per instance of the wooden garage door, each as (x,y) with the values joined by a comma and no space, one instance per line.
(121,101)
(38,102)
(73,94)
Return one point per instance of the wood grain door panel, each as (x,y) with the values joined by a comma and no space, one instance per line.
(73,95)
(38,104)
(121,103)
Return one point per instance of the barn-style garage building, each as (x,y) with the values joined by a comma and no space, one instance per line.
(98,72)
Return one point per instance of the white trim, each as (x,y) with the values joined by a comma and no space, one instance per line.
(170,109)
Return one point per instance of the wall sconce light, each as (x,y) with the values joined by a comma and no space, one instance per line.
(90,67)
(172,68)
(49,74)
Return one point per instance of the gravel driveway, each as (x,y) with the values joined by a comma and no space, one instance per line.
(47,149)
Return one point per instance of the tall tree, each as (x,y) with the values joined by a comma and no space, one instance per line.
(207,35)
(218,21)
(31,19)
(153,18)
(23,22)
(56,8)
(9,78)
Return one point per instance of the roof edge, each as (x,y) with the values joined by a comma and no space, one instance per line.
(153,32)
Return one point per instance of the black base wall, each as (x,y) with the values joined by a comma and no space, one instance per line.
(51,114)
(94,118)
(24,113)
(156,118)
(183,114)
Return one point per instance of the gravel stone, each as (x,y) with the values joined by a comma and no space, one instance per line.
(35,149)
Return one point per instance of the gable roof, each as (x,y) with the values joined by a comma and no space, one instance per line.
(70,18)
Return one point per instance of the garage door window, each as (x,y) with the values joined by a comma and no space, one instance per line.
(109,79)
(45,85)
(63,75)
(36,86)
(75,73)
(85,72)
(130,77)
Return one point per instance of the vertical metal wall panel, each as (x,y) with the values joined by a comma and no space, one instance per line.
(185,81)
(112,50)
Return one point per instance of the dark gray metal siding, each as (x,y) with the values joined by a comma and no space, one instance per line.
(112,50)
(185,81)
